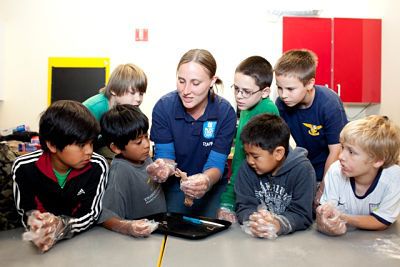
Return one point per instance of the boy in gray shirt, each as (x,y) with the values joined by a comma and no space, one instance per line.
(130,193)
(276,178)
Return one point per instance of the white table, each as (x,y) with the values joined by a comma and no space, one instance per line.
(96,247)
(304,248)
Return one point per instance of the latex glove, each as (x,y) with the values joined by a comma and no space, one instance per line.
(227,215)
(196,185)
(46,229)
(161,169)
(262,224)
(329,220)
(139,228)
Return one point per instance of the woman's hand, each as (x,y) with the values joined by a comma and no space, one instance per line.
(196,185)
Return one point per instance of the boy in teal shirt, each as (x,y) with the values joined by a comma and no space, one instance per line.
(252,81)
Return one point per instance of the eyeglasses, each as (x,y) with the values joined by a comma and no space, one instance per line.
(246,93)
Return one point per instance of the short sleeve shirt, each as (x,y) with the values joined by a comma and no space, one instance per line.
(382,199)
(130,193)
(193,140)
(316,127)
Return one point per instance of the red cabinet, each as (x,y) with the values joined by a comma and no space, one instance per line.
(348,50)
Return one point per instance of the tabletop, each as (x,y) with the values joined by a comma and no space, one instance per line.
(308,248)
(95,247)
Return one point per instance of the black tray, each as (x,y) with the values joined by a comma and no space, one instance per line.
(187,226)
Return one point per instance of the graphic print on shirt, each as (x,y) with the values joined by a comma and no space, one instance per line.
(154,194)
(313,129)
(274,196)
(209,129)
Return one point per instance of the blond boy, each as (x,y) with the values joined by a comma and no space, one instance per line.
(364,184)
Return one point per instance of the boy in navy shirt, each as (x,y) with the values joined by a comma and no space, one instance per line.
(315,114)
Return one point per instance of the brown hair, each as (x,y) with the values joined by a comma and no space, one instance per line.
(125,77)
(301,63)
(259,69)
(205,59)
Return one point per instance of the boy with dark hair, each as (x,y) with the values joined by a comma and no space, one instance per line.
(315,114)
(127,85)
(252,82)
(131,193)
(63,183)
(281,179)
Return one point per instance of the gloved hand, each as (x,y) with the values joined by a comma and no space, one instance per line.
(196,185)
(138,228)
(161,169)
(262,224)
(46,229)
(329,220)
(226,214)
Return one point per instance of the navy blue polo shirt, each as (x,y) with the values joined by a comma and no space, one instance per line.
(317,126)
(190,142)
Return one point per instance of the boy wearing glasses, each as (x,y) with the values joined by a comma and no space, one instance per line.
(252,81)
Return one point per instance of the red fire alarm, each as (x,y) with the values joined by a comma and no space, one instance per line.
(141,35)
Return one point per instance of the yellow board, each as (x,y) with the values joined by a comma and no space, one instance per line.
(75,62)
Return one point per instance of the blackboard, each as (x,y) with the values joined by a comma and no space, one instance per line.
(76,83)
(76,78)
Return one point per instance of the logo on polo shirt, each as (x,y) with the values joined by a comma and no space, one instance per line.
(209,129)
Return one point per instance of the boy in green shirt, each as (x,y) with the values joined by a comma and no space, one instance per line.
(252,81)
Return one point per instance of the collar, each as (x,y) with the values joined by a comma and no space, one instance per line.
(371,187)
(211,112)
(45,166)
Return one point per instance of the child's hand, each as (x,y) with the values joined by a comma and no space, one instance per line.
(45,230)
(161,169)
(196,186)
(263,224)
(227,215)
(140,228)
(329,220)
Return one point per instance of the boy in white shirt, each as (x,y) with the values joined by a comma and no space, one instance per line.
(364,184)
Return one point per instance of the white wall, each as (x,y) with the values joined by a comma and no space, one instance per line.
(36,30)
(2,41)
(391,61)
